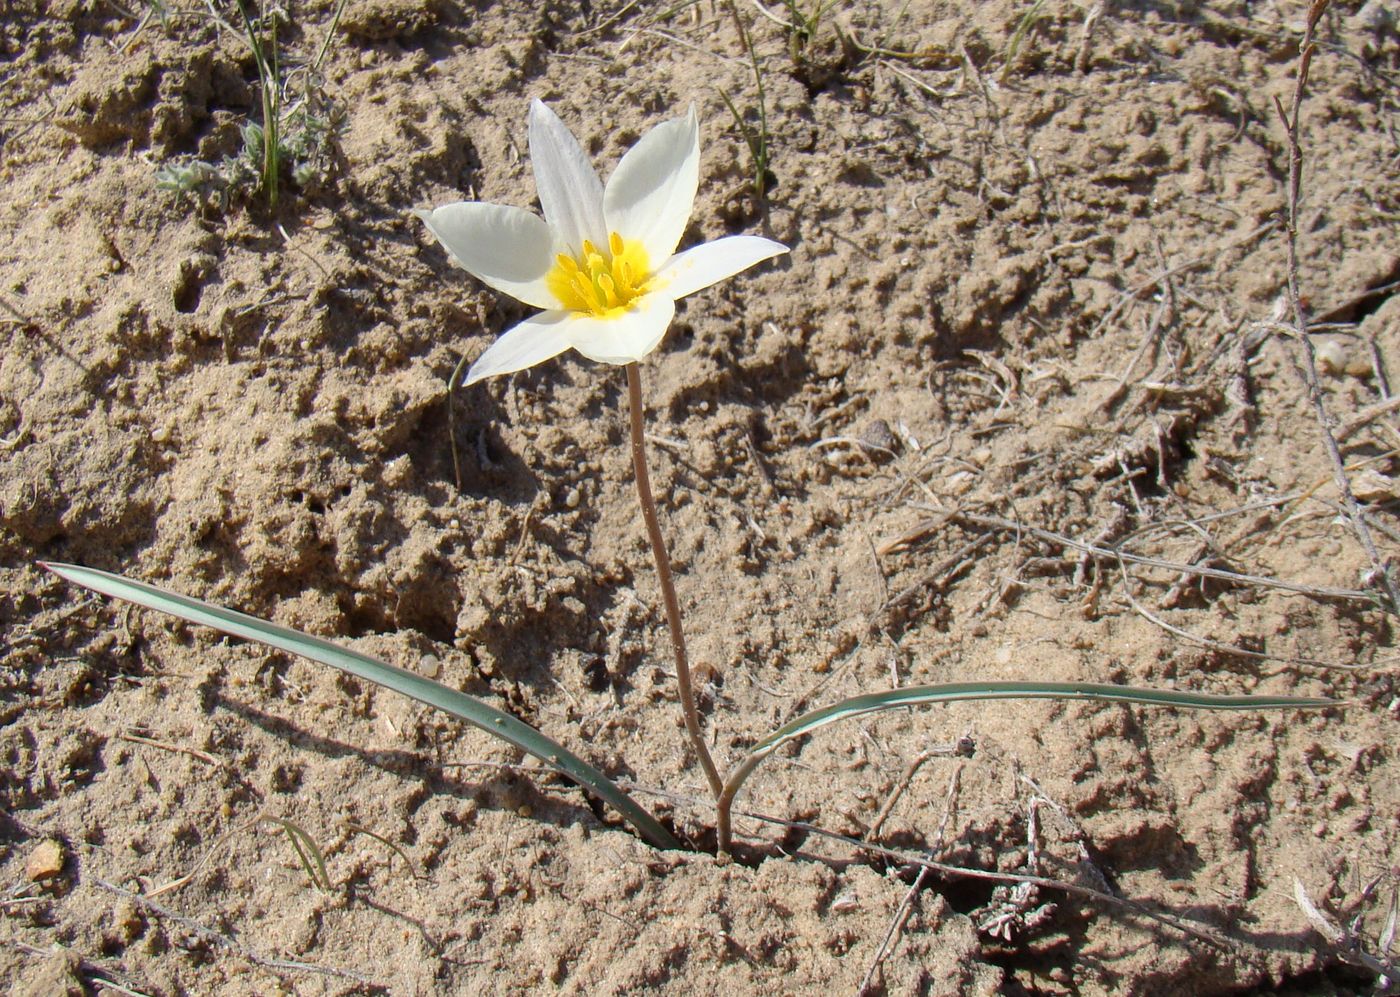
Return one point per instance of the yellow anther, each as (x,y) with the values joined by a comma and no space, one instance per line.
(599,284)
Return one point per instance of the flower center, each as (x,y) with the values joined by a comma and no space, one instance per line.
(601,284)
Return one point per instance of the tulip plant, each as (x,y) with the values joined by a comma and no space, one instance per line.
(603,267)
(603,264)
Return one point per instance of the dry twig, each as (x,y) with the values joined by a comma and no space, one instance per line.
(1111,554)
(1044,882)
(1366,416)
(1346,941)
(178,749)
(962,746)
(214,938)
(1379,574)
(901,916)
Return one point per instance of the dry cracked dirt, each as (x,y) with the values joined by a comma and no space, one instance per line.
(1024,402)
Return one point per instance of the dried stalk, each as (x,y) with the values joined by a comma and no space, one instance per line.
(1379,574)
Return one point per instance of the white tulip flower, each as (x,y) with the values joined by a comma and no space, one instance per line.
(602,263)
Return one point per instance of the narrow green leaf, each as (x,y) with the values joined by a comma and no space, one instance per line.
(412,869)
(410,684)
(920,695)
(302,844)
(1013,49)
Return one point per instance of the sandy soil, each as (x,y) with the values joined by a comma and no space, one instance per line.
(1033,280)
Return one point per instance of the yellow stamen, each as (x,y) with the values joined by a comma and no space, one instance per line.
(609,289)
(601,284)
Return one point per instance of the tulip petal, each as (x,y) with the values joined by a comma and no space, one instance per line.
(625,337)
(711,262)
(650,195)
(507,248)
(570,192)
(533,341)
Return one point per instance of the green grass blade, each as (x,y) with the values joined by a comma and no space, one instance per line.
(758,148)
(757,155)
(412,869)
(1014,48)
(330,36)
(418,687)
(920,695)
(313,863)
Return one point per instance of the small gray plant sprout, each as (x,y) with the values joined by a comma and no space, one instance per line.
(804,22)
(294,139)
(603,267)
(185,178)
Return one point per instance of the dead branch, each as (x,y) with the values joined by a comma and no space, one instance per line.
(1110,554)
(1379,574)
(1043,882)
(218,940)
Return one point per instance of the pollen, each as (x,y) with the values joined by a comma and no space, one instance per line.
(601,282)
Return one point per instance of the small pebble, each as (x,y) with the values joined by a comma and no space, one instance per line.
(1374,15)
(46,861)
(1331,357)
(845,903)
(1372,486)
(879,438)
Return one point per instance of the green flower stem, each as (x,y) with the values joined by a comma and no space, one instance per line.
(668,588)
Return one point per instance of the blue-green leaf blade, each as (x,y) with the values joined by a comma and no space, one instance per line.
(419,687)
(922,695)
